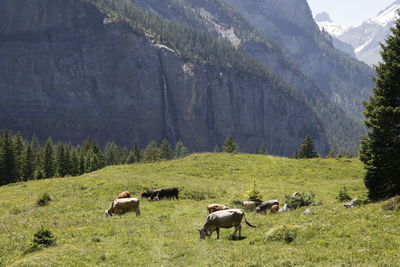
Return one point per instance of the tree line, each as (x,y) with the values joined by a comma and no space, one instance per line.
(21,160)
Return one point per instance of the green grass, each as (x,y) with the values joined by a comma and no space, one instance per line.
(166,235)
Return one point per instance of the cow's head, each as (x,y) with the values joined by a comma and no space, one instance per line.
(203,233)
(258,209)
(106,212)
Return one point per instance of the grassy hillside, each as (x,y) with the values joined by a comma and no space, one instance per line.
(165,234)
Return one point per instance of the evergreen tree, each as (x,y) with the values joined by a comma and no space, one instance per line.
(180,150)
(380,149)
(8,170)
(19,152)
(306,149)
(137,152)
(151,153)
(29,164)
(47,159)
(74,168)
(229,145)
(166,150)
(61,164)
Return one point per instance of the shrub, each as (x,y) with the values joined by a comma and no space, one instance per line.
(392,204)
(300,200)
(42,238)
(254,194)
(283,233)
(43,200)
(343,195)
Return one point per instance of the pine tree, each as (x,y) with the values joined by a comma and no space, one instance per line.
(74,169)
(29,164)
(137,152)
(166,150)
(8,171)
(19,152)
(380,149)
(180,150)
(61,164)
(229,145)
(151,153)
(306,149)
(47,159)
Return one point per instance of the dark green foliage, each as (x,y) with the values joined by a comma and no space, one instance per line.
(343,195)
(47,159)
(229,145)
(28,165)
(43,199)
(283,233)
(180,150)
(42,238)
(166,150)
(300,200)
(306,149)
(380,149)
(151,153)
(8,167)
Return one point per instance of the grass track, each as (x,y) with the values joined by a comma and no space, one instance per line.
(165,234)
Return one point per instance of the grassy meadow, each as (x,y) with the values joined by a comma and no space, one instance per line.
(165,234)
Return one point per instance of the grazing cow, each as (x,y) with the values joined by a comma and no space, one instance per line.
(125,194)
(158,194)
(149,193)
(275,208)
(223,219)
(216,207)
(266,205)
(248,204)
(123,205)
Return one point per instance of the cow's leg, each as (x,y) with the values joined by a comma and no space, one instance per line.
(137,212)
(217,232)
(236,229)
(240,230)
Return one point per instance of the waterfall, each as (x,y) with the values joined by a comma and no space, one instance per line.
(169,126)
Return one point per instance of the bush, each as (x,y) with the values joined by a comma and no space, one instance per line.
(343,195)
(392,204)
(43,200)
(41,239)
(283,233)
(254,194)
(301,200)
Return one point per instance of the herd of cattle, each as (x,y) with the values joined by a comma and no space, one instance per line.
(220,216)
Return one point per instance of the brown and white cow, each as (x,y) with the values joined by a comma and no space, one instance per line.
(216,207)
(122,205)
(266,205)
(223,219)
(125,194)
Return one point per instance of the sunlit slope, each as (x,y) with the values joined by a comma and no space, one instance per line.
(166,232)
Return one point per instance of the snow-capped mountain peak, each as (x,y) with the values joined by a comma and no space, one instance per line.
(324,22)
(388,15)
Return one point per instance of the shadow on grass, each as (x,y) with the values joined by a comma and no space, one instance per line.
(235,238)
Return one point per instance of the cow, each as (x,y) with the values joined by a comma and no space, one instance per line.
(125,194)
(223,219)
(248,204)
(275,208)
(266,205)
(216,207)
(149,193)
(122,205)
(158,194)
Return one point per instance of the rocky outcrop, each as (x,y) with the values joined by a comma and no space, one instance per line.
(70,72)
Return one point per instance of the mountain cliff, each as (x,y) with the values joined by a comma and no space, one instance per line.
(71,69)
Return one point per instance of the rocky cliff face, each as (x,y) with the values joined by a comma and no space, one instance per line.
(68,71)
(345,80)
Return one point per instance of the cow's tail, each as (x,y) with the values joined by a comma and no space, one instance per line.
(249,224)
